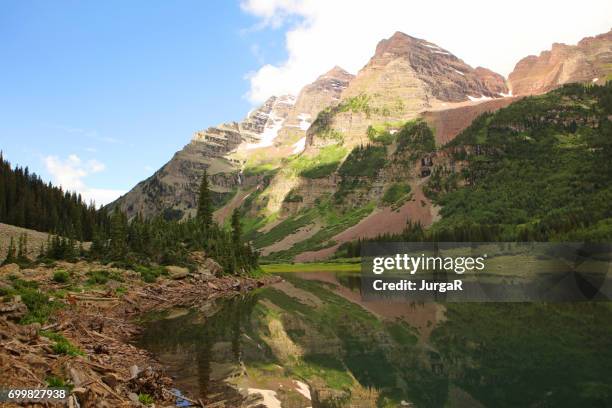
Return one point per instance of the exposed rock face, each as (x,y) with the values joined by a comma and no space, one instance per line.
(173,188)
(407,76)
(492,80)
(450,122)
(588,61)
(416,70)
(323,92)
(274,129)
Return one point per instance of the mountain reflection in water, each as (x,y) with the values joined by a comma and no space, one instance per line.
(311,341)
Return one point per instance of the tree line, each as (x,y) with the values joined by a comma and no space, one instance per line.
(27,201)
(113,239)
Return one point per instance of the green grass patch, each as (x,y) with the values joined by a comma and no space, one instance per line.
(334,222)
(101,277)
(311,267)
(258,169)
(149,274)
(145,399)
(61,344)
(321,165)
(38,303)
(327,367)
(287,227)
(396,194)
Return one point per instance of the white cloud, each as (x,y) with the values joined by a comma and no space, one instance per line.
(324,33)
(69,174)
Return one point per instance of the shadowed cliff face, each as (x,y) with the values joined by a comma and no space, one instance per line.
(588,61)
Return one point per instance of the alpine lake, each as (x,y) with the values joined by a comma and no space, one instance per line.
(312,341)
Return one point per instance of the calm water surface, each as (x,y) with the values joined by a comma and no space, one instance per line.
(311,341)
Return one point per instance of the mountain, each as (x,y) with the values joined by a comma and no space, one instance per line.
(405,77)
(172,189)
(272,130)
(504,176)
(350,157)
(421,73)
(588,61)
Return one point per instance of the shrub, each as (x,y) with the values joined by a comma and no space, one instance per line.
(62,345)
(61,276)
(396,193)
(149,274)
(145,399)
(364,161)
(102,277)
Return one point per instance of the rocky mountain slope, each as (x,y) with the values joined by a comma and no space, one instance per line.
(350,155)
(405,77)
(275,129)
(588,61)
(409,69)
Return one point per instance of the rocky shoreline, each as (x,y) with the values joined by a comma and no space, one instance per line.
(85,342)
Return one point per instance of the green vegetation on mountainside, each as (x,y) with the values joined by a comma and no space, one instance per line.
(538,169)
(322,165)
(350,202)
(331,219)
(396,194)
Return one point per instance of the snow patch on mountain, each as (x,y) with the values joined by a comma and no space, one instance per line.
(270,132)
(479,99)
(298,147)
(304,121)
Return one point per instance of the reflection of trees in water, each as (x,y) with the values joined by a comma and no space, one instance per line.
(351,281)
(192,334)
(521,354)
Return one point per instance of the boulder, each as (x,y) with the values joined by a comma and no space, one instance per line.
(29,273)
(9,269)
(213,267)
(205,268)
(177,272)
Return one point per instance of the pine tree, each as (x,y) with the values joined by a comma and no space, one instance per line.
(22,252)
(204,202)
(11,253)
(236,227)
(118,235)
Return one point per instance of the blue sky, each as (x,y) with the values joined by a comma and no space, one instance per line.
(106,92)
